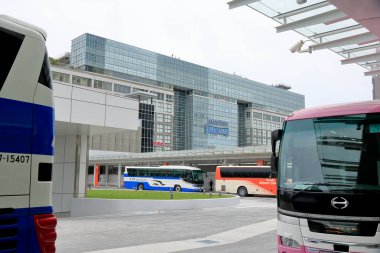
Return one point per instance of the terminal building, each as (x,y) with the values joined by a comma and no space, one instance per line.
(193,107)
(115,97)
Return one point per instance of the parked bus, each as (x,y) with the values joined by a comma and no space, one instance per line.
(245,180)
(328,167)
(164,178)
(27,222)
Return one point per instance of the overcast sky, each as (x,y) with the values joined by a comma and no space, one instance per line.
(203,32)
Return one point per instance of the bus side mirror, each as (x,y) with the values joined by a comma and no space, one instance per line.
(275,136)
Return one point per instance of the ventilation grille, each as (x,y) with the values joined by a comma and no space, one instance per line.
(8,230)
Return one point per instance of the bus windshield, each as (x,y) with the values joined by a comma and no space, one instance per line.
(198,177)
(332,153)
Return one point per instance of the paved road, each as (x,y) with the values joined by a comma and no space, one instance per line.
(249,227)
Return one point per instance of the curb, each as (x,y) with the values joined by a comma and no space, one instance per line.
(89,207)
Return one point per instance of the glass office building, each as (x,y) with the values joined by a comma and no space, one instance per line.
(211,109)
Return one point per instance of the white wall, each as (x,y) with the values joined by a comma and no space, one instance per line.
(87,106)
(80,112)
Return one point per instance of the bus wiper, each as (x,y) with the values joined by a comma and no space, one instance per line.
(311,185)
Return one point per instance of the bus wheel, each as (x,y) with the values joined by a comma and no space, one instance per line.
(242,191)
(140,187)
(177,188)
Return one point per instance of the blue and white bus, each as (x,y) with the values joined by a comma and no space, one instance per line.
(27,222)
(164,178)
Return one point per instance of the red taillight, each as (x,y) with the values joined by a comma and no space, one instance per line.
(45,228)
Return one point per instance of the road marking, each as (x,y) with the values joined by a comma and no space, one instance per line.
(227,237)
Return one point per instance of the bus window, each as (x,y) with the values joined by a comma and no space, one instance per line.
(132,172)
(153,173)
(45,78)
(166,173)
(179,173)
(10,44)
(189,176)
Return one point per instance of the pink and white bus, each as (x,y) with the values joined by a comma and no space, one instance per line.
(328,186)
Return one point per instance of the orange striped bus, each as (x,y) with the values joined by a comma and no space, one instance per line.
(245,180)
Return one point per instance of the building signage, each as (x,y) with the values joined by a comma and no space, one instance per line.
(158,144)
(216,130)
(216,122)
(217,127)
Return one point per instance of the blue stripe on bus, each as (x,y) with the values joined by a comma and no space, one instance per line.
(133,185)
(26,128)
(170,178)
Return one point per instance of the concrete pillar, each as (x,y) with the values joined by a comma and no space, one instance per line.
(119,178)
(81,166)
(376,87)
(69,170)
(106,176)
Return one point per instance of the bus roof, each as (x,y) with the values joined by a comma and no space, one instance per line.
(243,166)
(164,167)
(372,106)
(26,26)
(179,167)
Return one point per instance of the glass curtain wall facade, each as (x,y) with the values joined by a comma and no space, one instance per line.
(207,114)
(146,115)
(179,125)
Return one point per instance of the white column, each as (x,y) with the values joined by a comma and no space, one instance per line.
(107,176)
(376,87)
(81,166)
(119,175)
(69,170)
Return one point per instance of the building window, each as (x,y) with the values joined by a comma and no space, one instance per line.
(169,108)
(122,88)
(168,128)
(159,117)
(82,81)
(267,117)
(167,139)
(168,118)
(159,128)
(137,90)
(257,115)
(160,96)
(248,115)
(275,119)
(169,98)
(61,77)
(160,107)
(157,149)
(102,85)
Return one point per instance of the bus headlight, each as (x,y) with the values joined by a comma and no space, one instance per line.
(289,242)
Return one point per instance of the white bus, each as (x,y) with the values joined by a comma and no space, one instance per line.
(164,178)
(27,222)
